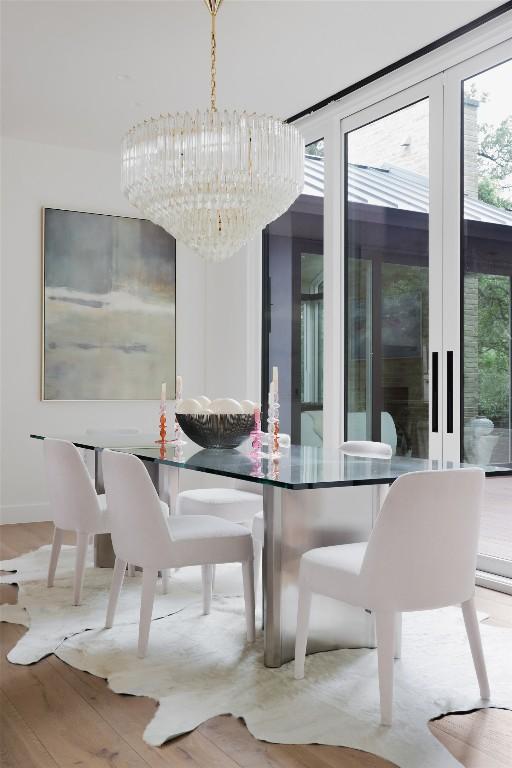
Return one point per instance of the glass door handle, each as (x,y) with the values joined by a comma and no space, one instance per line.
(435,391)
(449,391)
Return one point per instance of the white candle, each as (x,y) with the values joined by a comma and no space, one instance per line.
(179,387)
(163,393)
(275,376)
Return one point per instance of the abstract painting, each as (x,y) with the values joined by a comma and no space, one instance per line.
(109,307)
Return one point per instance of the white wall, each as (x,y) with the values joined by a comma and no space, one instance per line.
(233,333)
(210,330)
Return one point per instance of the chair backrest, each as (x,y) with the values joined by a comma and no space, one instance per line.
(70,488)
(357,426)
(422,550)
(140,534)
(93,432)
(367,448)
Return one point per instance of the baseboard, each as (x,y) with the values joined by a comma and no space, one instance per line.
(24,513)
(492,581)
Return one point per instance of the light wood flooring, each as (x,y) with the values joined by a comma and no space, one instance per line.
(54,716)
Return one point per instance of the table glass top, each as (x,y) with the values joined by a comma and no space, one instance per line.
(298,467)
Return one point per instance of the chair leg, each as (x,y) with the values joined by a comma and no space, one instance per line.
(301,637)
(115,590)
(149,578)
(166,575)
(475,643)
(258,547)
(370,620)
(398,636)
(385,622)
(58,535)
(248,578)
(82,542)
(207,575)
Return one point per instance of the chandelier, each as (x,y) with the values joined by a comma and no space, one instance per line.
(213,179)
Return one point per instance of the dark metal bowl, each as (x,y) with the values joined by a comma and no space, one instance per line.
(216,430)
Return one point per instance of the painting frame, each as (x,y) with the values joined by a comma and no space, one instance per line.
(171,380)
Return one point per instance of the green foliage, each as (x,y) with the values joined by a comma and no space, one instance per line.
(316,149)
(494,347)
(489,192)
(495,164)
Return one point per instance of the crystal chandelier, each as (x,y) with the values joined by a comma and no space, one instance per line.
(213,179)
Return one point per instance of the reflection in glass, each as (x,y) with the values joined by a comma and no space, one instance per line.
(486,253)
(387,204)
(294,308)
(487,265)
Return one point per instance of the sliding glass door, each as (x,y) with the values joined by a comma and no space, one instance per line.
(486,265)
(427,244)
(478,268)
(392,269)
(388,284)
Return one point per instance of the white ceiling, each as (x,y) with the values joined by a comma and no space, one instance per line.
(79,73)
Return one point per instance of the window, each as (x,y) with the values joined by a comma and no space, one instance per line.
(387,279)
(293,306)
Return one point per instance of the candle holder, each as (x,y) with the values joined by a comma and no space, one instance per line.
(273,424)
(163,425)
(256,437)
(178,452)
(256,466)
(178,432)
(273,468)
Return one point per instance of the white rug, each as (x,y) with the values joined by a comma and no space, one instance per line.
(199,666)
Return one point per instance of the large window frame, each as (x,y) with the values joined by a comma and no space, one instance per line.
(431,89)
(437,74)
(330,123)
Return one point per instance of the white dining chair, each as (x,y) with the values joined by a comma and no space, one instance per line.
(75,506)
(421,555)
(142,535)
(369,449)
(362,448)
(235,504)
(98,433)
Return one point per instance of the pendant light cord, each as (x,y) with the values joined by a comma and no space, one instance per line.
(213,8)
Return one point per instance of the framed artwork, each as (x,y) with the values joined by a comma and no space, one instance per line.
(109,307)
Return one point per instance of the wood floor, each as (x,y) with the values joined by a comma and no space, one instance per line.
(54,716)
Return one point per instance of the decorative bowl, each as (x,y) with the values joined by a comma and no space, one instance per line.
(216,430)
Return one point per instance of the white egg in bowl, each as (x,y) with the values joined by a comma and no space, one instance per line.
(226,405)
(190,405)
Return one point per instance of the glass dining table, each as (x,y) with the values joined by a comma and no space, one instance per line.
(310,498)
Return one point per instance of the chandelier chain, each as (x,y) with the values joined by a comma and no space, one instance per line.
(213,8)
(213,81)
